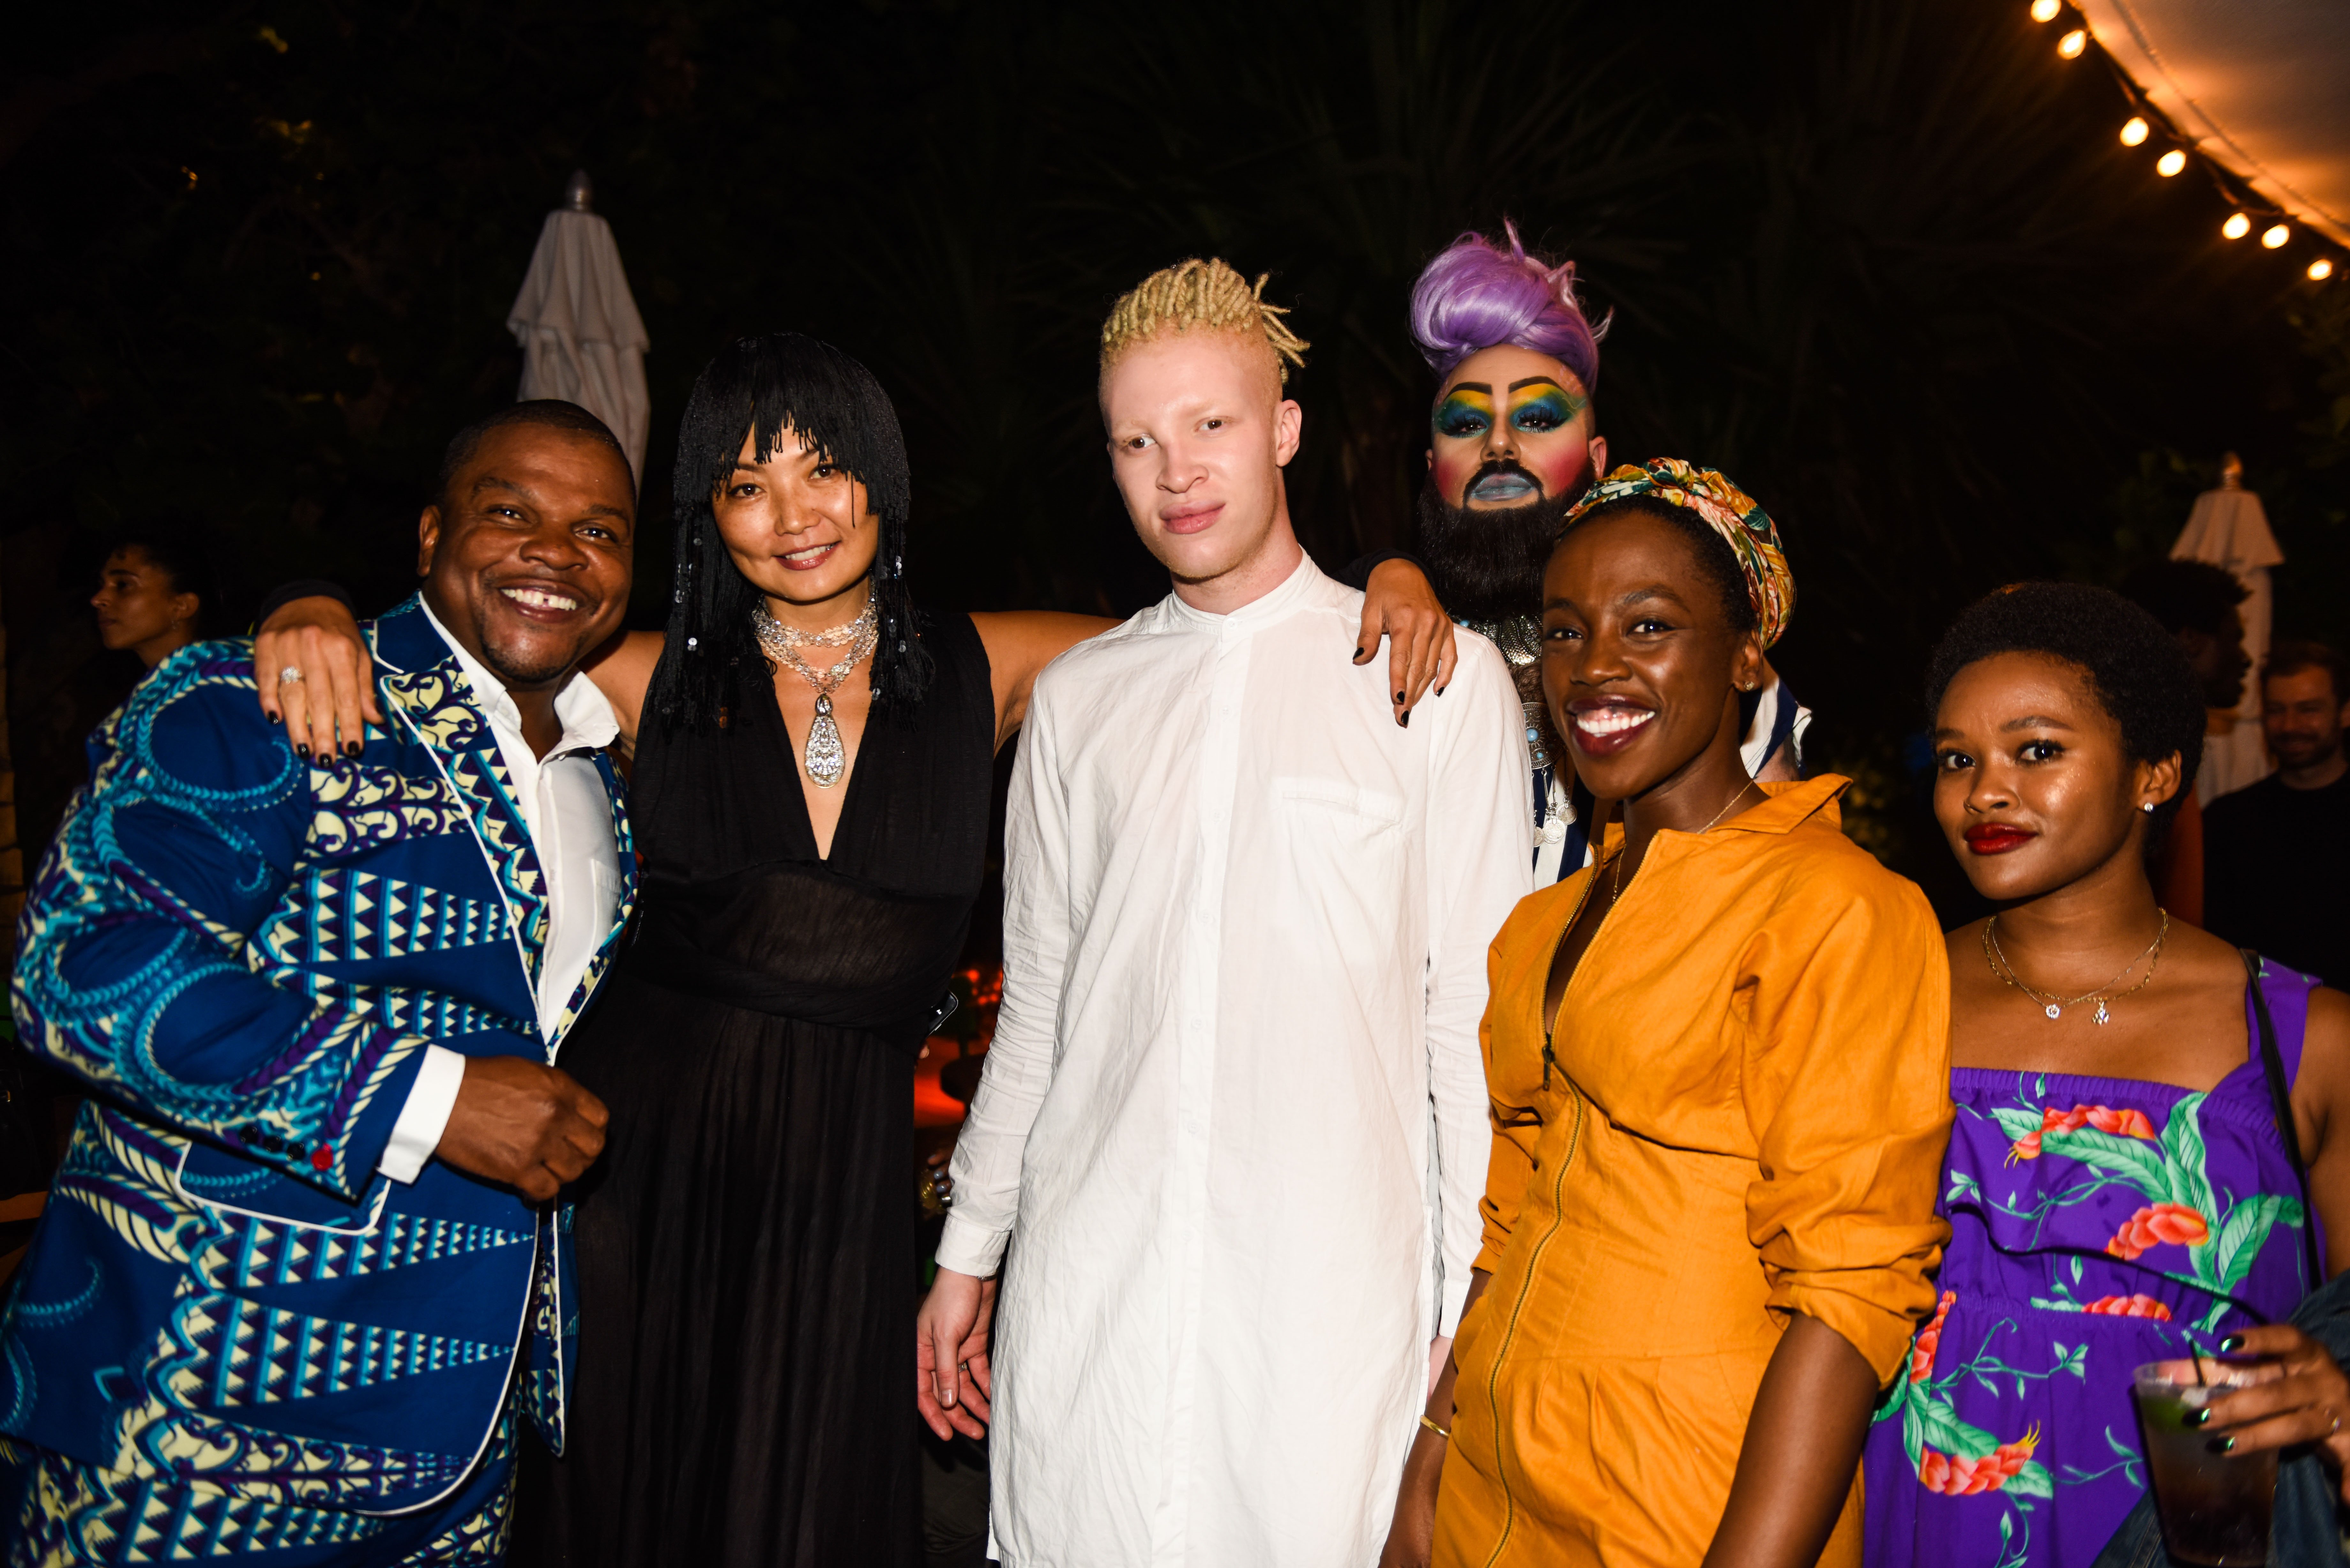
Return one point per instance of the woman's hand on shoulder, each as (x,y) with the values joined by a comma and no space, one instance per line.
(1399,605)
(1019,644)
(313,671)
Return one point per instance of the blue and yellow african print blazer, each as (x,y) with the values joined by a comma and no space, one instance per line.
(243,955)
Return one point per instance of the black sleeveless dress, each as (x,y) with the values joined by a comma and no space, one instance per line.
(745,1390)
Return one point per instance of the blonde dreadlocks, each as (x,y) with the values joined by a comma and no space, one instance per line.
(1197,293)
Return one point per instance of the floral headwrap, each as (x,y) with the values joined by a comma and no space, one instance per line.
(1753,537)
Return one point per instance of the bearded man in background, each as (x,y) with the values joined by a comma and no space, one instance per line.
(1514,441)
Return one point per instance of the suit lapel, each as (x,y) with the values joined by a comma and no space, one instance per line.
(433,699)
(624,842)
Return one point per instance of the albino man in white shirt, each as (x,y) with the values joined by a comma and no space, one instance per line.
(1231,1137)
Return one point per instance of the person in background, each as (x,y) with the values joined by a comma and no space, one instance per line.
(2276,854)
(1514,441)
(158,591)
(2118,1188)
(2199,604)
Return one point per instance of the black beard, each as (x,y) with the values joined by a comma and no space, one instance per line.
(1488,565)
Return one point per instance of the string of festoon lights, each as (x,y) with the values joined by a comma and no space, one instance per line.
(2148,125)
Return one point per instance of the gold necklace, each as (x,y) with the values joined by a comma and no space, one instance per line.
(1550,1023)
(1624,854)
(2054,1005)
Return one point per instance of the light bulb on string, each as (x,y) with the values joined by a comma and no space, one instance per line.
(2170,162)
(2237,226)
(2134,130)
(2321,269)
(2046,10)
(2275,238)
(2070,44)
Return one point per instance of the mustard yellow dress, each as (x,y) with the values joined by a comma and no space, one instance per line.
(1744,1116)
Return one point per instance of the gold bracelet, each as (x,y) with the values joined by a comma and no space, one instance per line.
(1432,1427)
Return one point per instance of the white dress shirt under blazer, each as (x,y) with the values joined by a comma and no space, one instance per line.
(569,818)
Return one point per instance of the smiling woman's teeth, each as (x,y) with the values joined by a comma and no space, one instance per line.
(1612,720)
(810,554)
(539,598)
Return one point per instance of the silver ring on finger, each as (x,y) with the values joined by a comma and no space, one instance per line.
(290,676)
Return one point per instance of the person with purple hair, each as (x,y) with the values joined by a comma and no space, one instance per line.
(1513,442)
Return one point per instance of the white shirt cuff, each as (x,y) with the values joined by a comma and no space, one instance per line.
(969,1248)
(425,1117)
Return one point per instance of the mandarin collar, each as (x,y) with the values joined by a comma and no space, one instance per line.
(1258,612)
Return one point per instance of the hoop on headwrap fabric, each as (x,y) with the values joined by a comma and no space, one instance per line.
(1748,530)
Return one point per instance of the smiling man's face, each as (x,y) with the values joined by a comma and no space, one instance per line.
(528,555)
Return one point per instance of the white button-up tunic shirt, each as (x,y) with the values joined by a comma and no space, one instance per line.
(1245,925)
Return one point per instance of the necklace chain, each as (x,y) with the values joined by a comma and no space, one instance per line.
(1622,855)
(2054,1005)
(1615,893)
(783,644)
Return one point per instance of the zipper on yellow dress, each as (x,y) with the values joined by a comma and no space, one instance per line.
(1517,1309)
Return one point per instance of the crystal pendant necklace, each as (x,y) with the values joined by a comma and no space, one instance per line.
(826,757)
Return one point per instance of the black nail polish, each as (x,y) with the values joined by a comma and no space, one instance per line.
(2221,1445)
(2230,1344)
(1405,721)
(2200,1416)
(1440,692)
(1359,653)
(301,751)
(351,748)
(1399,696)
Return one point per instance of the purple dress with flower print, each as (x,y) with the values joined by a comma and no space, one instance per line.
(2096,1224)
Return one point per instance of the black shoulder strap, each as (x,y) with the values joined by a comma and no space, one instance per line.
(2281,1103)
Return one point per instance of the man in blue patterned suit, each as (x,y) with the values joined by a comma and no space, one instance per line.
(300,1266)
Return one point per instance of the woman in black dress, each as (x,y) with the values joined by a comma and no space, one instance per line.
(812,763)
(814,838)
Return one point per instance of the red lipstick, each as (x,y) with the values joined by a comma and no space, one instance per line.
(1997,837)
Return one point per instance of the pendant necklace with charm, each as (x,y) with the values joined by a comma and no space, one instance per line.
(2054,1006)
(826,757)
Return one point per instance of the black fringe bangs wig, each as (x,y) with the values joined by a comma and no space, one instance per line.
(757,387)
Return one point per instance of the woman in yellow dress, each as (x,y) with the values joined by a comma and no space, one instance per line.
(1710,1216)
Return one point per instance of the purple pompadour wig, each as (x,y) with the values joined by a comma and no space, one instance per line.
(1477,295)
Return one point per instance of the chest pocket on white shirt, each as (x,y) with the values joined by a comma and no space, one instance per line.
(1373,809)
(1336,900)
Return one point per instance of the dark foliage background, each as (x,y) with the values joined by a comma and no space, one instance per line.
(1884,260)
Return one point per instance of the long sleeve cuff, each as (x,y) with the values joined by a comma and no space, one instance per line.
(970,1248)
(425,1117)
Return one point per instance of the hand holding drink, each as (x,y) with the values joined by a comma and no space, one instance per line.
(2213,1429)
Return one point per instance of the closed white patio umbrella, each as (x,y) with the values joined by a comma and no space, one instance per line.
(582,339)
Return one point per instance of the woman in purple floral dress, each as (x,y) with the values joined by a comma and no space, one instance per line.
(2118,1188)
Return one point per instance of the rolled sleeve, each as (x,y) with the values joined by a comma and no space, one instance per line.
(1847,1089)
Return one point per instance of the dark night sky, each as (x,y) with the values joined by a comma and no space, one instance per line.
(1883,261)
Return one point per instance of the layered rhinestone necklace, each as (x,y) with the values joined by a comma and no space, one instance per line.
(826,757)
